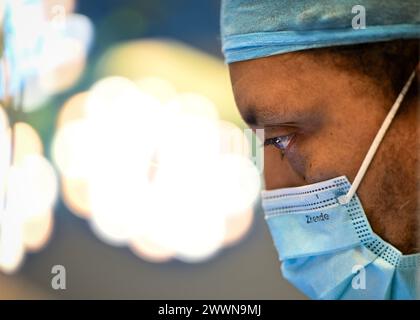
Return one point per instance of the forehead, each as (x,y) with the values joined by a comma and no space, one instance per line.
(288,69)
(283,83)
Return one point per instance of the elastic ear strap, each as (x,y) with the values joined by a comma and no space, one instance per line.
(376,142)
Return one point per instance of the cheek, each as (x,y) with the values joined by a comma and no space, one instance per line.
(278,172)
(324,159)
(333,151)
(311,159)
(339,146)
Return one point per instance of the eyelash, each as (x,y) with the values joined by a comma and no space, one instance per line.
(280,142)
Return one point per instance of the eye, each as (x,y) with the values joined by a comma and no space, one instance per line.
(281,142)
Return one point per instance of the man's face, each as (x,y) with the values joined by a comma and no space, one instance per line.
(333,113)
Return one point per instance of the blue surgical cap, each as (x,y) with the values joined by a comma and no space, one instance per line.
(259,28)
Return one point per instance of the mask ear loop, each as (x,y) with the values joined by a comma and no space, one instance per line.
(344,199)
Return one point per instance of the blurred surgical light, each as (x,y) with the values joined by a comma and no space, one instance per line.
(28,190)
(147,249)
(37,230)
(72,110)
(45,49)
(238,225)
(27,142)
(55,8)
(158,170)
(157,87)
(185,68)
(2,4)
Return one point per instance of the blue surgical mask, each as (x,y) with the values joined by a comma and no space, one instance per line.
(326,244)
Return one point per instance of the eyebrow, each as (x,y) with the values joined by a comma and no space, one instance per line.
(268,117)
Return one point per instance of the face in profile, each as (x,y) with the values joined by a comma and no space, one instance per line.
(320,116)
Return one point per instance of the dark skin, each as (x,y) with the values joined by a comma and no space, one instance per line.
(334,113)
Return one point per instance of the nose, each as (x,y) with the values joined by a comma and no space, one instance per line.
(278,173)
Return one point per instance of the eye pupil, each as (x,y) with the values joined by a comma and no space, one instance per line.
(282,142)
